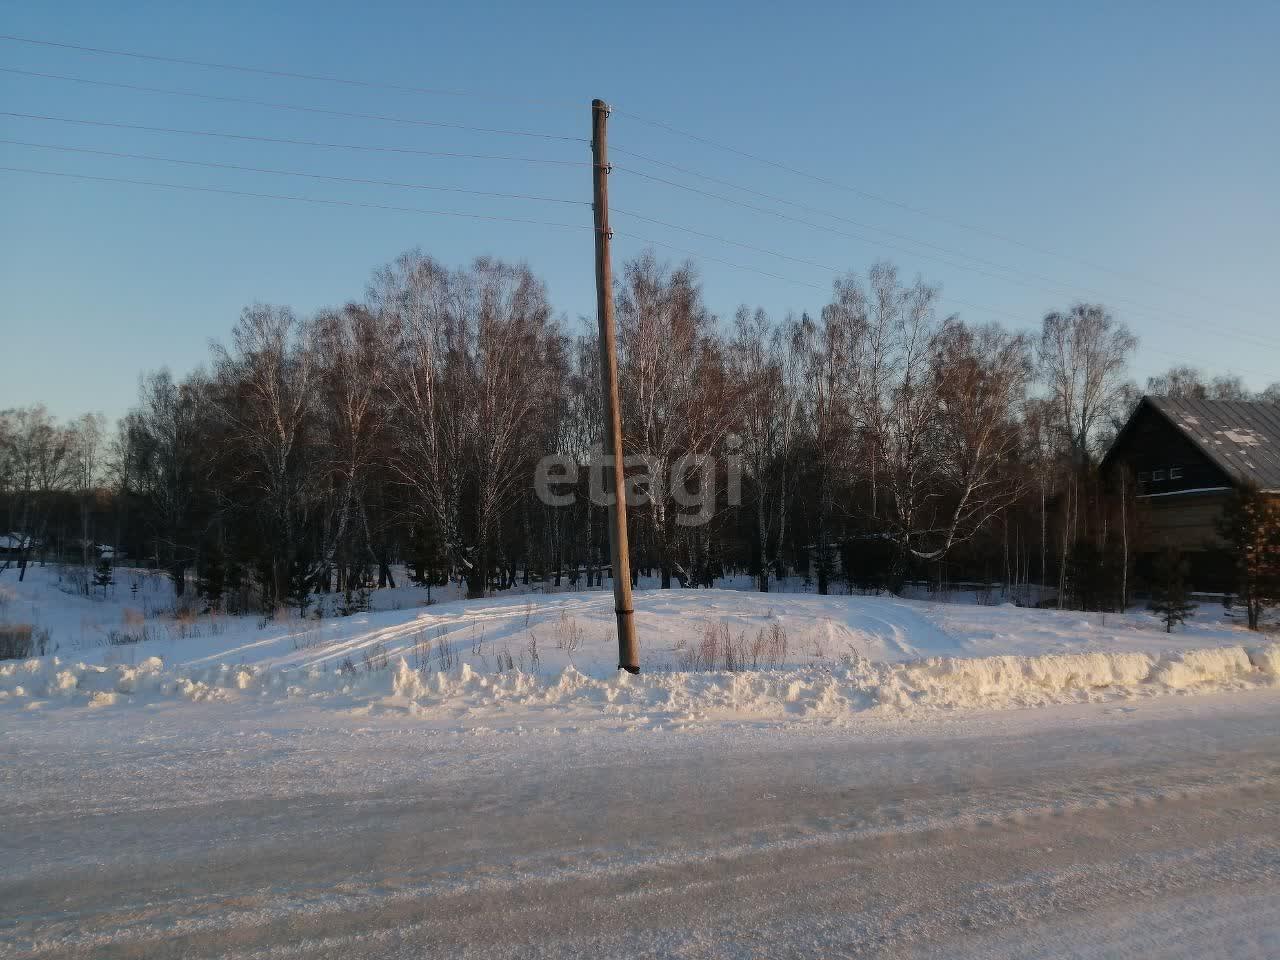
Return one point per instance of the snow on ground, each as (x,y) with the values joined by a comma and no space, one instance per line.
(321,788)
(237,829)
(706,655)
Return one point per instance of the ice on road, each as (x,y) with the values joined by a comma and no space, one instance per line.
(1094,830)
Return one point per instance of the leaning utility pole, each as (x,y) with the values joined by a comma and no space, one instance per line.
(628,658)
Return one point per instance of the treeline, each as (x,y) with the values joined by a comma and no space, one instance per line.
(871,442)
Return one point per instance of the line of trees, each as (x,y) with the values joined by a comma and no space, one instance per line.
(871,442)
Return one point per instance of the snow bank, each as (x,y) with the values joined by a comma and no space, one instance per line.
(857,685)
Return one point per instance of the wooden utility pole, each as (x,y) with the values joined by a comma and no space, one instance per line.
(628,657)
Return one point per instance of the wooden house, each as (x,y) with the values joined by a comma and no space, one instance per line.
(1188,456)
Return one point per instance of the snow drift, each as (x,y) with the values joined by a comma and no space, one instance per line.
(855,686)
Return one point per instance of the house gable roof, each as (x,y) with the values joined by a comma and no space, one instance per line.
(1241,437)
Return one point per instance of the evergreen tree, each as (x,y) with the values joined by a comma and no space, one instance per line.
(1169,588)
(235,585)
(211,575)
(1251,526)
(103,574)
(299,585)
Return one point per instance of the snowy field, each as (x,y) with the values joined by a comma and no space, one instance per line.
(476,780)
(706,656)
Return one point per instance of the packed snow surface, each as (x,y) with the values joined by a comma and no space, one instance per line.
(239,829)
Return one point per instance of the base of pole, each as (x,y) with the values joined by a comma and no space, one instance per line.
(632,670)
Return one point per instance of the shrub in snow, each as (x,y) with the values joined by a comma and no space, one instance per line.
(720,648)
(444,654)
(570,634)
(375,657)
(21,640)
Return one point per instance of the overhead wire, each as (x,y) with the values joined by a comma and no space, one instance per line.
(294,173)
(258,195)
(296,199)
(947,298)
(293,141)
(866,226)
(826,181)
(1059,288)
(283,74)
(711,236)
(921,211)
(274,105)
(728,263)
(639,118)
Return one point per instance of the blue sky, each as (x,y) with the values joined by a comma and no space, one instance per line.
(1143,139)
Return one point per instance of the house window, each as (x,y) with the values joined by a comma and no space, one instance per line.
(1157,475)
(1175,473)
(1144,476)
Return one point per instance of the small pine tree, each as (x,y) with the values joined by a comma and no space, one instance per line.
(236,582)
(299,586)
(1251,527)
(211,575)
(1169,588)
(103,574)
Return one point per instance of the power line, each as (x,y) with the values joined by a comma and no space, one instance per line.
(728,263)
(1198,365)
(446,213)
(509,196)
(765,273)
(813,263)
(1059,288)
(248,101)
(296,142)
(659,124)
(818,226)
(295,199)
(639,173)
(417,121)
(293,173)
(357,204)
(783,256)
(940,298)
(920,211)
(734,243)
(283,74)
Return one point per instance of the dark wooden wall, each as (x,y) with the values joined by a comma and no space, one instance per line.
(1182,512)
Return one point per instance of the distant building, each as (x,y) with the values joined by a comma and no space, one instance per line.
(1187,457)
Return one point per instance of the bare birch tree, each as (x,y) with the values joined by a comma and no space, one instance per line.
(415,295)
(1083,355)
(37,453)
(674,398)
(265,397)
(86,450)
(763,369)
(353,348)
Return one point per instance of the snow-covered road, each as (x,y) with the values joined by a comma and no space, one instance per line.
(1144,829)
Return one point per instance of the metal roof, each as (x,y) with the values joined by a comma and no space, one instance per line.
(1240,436)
